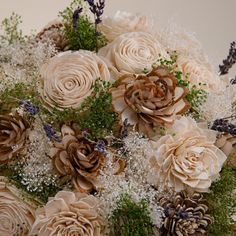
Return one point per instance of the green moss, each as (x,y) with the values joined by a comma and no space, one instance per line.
(221,203)
(85,36)
(131,218)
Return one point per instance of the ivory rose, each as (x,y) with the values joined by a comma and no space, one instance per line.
(200,74)
(124,22)
(16,215)
(68,78)
(68,214)
(186,157)
(133,52)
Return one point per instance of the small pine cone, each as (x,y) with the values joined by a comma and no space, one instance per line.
(186,215)
(54,32)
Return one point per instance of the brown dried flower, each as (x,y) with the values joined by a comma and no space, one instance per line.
(186,215)
(54,32)
(149,100)
(14,131)
(76,156)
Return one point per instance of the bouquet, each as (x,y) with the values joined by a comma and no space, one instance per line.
(113,126)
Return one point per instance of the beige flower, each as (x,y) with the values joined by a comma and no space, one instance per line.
(16,215)
(67,78)
(14,130)
(227,143)
(124,22)
(149,100)
(200,74)
(186,157)
(133,52)
(67,214)
(76,156)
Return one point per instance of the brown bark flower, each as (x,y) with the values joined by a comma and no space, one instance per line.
(149,100)
(14,130)
(76,156)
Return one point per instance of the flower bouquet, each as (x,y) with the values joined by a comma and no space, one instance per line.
(111,126)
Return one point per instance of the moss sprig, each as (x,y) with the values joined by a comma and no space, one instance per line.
(131,218)
(222,203)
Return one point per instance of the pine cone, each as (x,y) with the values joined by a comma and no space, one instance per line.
(186,215)
(53,31)
(13,134)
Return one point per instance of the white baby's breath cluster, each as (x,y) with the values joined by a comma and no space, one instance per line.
(220,104)
(136,152)
(20,62)
(37,170)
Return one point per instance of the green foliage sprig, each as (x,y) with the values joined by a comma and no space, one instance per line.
(9,98)
(131,218)
(11,31)
(221,203)
(85,35)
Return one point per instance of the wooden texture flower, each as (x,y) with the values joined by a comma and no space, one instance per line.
(149,100)
(133,52)
(14,130)
(68,78)
(16,215)
(186,157)
(76,156)
(69,214)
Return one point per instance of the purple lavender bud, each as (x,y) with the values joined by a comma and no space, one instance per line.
(51,133)
(29,107)
(76,16)
(100,146)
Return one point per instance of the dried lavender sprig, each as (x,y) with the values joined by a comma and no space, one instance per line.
(97,9)
(76,16)
(233,81)
(29,107)
(223,125)
(51,133)
(229,61)
(100,146)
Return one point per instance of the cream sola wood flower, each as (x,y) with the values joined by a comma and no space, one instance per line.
(68,214)
(17,214)
(124,22)
(186,158)
(133,52)
(68,78)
